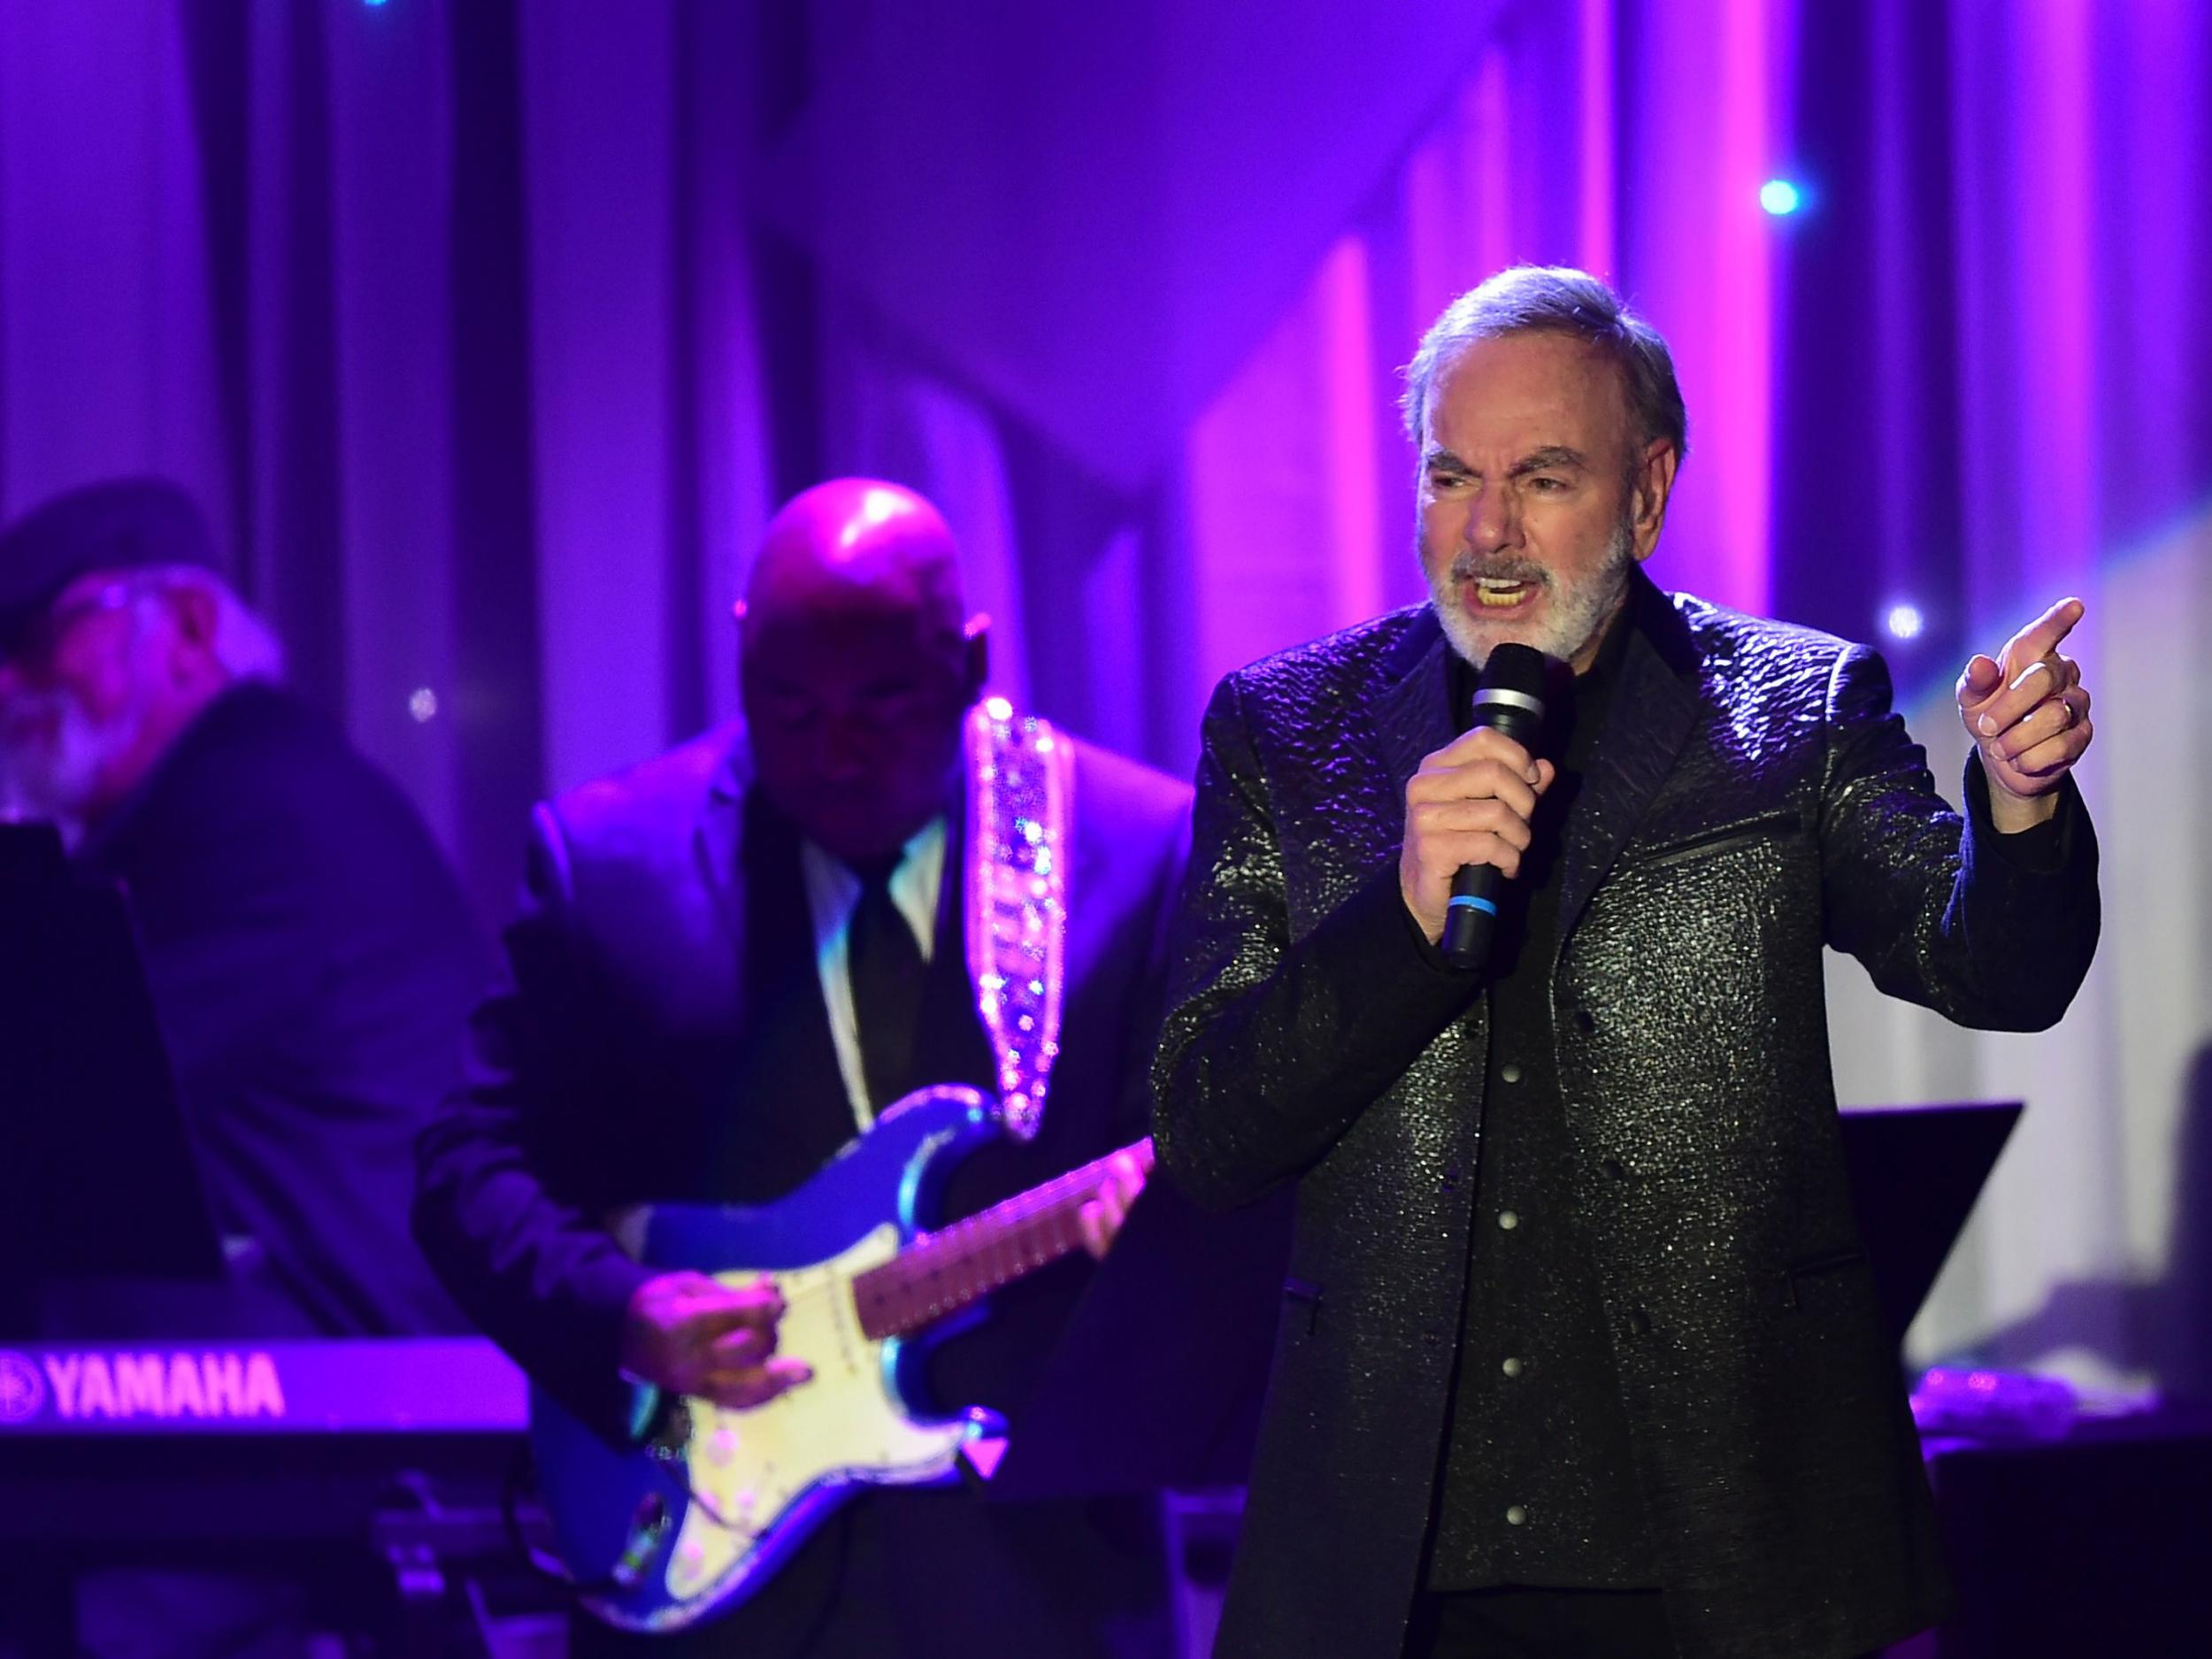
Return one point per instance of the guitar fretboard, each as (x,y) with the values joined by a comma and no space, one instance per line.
(942,1272)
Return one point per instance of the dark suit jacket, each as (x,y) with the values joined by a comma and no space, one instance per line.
(1753,799)
(312,963)
(612,1069)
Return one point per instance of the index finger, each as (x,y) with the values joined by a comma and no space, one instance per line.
(1485,742)
(758,1307)
(747,1345)
(2040,637)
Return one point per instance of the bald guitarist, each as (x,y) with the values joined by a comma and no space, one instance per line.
(731,959)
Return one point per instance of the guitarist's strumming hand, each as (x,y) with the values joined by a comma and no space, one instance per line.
(691,1334)
(1101,1219)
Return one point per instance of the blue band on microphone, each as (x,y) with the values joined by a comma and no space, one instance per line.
(1472,902)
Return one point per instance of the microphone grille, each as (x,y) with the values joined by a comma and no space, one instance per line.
(1521,668)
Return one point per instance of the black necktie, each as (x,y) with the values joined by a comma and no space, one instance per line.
(887,973)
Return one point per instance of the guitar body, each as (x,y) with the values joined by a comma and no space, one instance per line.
(690,1522)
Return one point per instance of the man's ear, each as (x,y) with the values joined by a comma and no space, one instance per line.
(976,645)
(1654,486)
(198,617)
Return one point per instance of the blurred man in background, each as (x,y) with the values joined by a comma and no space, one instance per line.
(310,956)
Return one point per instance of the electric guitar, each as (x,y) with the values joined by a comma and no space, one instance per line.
(710,1503)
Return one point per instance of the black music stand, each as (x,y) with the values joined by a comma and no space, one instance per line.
(1158,1381)
(1915,1171)
(96,1173)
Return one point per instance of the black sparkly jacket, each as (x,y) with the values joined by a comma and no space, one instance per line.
(1753,798)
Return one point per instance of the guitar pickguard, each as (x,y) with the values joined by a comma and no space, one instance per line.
(749,1471)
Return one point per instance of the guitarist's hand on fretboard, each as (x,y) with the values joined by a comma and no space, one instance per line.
(690,1334)
(1101,1219)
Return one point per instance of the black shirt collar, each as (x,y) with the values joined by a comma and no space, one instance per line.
(1591,689)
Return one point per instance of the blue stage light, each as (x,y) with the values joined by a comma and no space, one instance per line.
(1904,622)
(1781,197)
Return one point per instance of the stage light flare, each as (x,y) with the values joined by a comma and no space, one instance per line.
(1781,197)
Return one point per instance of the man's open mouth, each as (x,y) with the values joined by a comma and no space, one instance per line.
(1503,593)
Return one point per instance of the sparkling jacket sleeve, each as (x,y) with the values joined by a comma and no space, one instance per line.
(1995,932)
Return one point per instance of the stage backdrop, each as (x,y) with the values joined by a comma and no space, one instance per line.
(490,331)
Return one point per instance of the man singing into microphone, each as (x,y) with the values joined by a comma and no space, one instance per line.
(1579,1353)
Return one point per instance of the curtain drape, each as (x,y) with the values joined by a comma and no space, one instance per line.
(490,332)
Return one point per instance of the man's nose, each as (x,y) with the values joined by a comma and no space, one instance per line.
(850,743)
(1493,521)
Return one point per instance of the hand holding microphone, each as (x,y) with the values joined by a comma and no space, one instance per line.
(1468,809)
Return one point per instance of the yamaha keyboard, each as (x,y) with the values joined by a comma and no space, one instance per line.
(156,1440)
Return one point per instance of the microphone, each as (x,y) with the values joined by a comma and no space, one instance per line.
(1510,697)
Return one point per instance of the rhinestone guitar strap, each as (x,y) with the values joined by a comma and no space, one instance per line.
(1021,783)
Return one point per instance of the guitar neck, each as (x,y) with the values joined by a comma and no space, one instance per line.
(942,1272)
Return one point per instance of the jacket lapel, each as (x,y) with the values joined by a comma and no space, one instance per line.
(1654,709)
(718,842)
(1413,714)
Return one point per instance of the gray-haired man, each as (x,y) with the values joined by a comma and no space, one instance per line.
(1580,1352)
(311,958)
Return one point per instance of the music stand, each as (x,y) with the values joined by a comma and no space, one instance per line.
(96,1173)
(1157,1382)
(1915,1171)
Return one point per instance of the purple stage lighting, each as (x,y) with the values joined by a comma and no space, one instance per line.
(1904,622)
(1781,197)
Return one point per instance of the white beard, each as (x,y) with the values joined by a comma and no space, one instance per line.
(53,776)
(1574,611)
